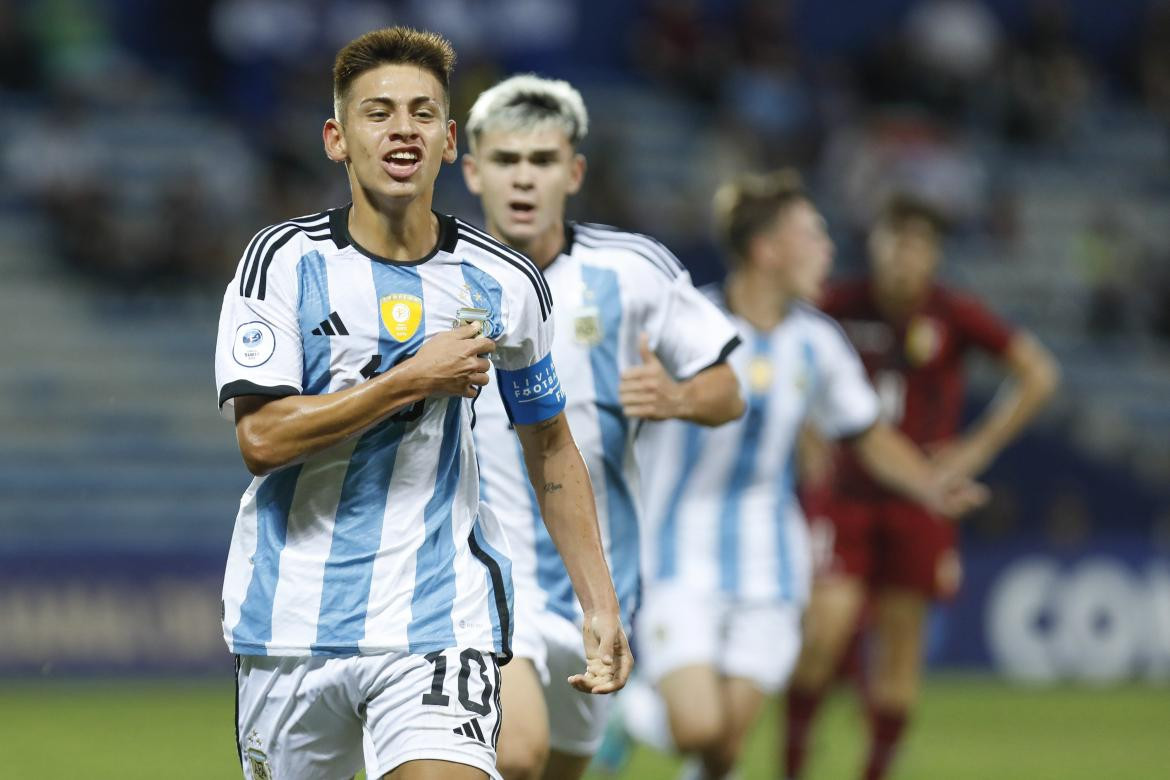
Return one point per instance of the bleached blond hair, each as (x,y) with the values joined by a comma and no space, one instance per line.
(529,102)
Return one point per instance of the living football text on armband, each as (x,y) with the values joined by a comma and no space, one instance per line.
(532,394)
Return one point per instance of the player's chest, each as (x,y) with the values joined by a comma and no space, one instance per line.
(593,318)
(923,343)
(777,374)
(357,322)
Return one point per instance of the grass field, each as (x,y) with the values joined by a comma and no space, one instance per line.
(968,729)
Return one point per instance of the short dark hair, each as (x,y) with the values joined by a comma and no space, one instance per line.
(393,46)
(750,204)
(902,208)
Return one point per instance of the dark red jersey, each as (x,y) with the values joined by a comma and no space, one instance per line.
(916,366)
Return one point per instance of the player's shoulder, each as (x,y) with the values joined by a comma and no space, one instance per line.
(278,247)
(820,327)
(626,249)
(713,291)
(509,266)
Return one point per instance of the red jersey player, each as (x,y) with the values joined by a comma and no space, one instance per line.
(913,335)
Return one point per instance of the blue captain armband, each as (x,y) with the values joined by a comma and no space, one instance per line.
(532,394)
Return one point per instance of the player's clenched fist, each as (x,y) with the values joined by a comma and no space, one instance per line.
(608,660)
(454,362)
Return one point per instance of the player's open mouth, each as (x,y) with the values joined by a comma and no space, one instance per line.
(522,212)
(401,164)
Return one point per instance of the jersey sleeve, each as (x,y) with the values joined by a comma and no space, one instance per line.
(980,327)
(687,331)
(844,403)
(258,349)
(528,382)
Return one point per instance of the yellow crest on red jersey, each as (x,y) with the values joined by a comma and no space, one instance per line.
(923,340)
(401,314)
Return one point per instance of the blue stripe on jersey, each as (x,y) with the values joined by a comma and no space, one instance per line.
(668,530)
(551,575)
(505,564)
(361,508)
(785,495)
(430,625)
(273,500)
(486,293)
(314,308)
(622,517)
(741,475)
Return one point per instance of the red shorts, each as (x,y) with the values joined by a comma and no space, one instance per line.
(887,543)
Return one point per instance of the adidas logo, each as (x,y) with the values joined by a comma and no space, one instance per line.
(331,327)
(471,729)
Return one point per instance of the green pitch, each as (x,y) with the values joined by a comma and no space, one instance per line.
(972,728)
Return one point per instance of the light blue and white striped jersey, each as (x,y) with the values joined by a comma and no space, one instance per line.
(720,506)
(610,286)
(375,544)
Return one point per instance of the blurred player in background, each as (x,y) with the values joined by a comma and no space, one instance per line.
(628,323)
(727,563)
(913,335)
(367,597)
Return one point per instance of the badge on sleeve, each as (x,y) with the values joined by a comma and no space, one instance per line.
(254,344)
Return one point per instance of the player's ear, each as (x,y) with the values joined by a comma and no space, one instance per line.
(450,148)
(471,174)
(576,174)
(334,138)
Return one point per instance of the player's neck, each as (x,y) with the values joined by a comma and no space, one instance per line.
(898,305)
(404,233)
(541,249)
(757,299)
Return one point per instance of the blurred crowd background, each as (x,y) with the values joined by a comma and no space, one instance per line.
(143,143)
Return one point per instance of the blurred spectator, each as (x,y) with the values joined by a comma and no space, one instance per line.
(1108,258)
(952,46)
(20,66)
(763,89)
(674,46)
(1154,58)
(1048,81)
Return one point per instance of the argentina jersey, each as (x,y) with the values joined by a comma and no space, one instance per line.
(721,509)
(610,286)
(375,544)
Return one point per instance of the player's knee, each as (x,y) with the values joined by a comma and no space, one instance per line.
(521,759)
(696,731)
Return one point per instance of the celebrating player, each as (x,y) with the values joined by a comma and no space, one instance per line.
(913,335)
(628,322)
(727,566)
(367,597)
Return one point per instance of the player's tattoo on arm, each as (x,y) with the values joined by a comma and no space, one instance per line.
(544,426)
(552,487)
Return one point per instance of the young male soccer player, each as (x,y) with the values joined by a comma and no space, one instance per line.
(366,596)
(728,568)
(913,335)
(628,321)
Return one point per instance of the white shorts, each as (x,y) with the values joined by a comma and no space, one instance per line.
(679,626)
(552,642)
(313,717)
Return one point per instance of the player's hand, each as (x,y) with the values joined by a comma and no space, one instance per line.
(608,659)
(960,456)
(954,495)
(647,391)
(453,362)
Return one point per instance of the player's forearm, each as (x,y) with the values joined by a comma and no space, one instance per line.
(1035,377)
(273,434)
(711,397)
(565,495)
(895,462)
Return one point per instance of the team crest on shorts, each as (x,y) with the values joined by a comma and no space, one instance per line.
(257,759)
(401,314)
(587,326)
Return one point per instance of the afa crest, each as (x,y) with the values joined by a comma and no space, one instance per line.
(401,314)
(759,375)
(587,328)
(257,759)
